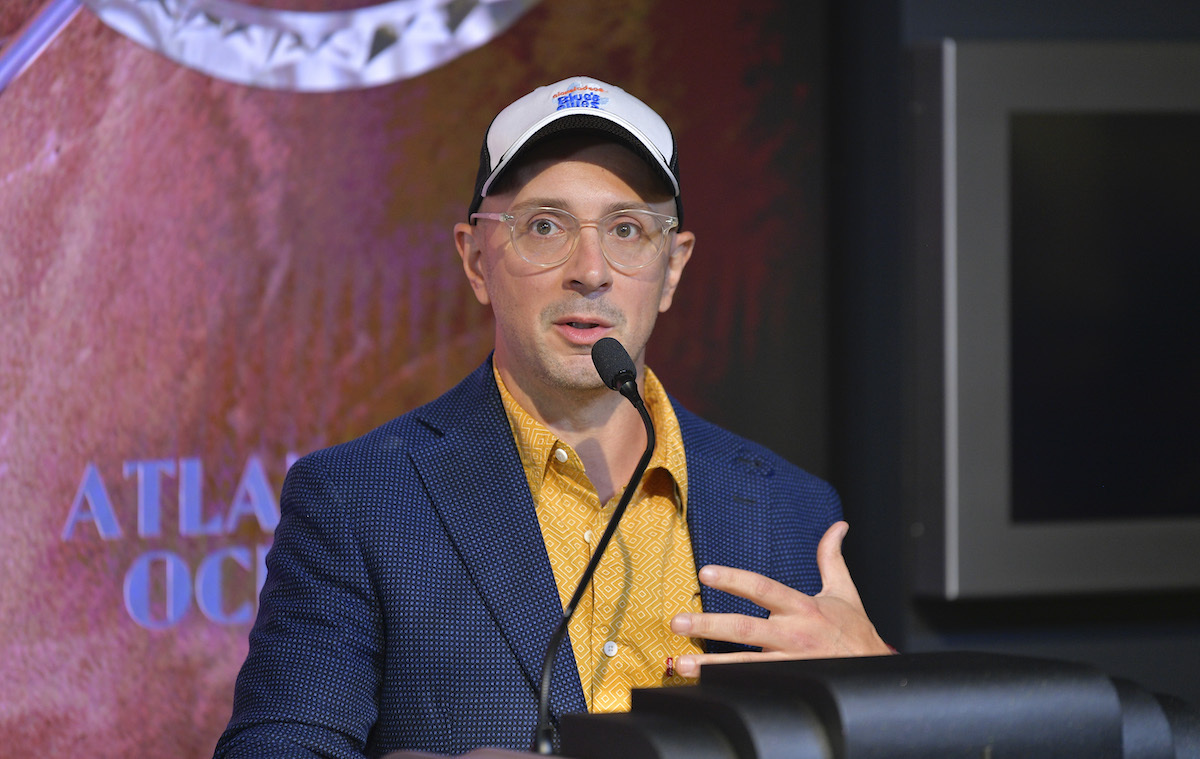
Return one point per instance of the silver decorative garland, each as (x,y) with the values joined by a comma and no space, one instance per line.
(310,51)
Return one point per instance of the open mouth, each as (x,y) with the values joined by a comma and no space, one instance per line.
(583,332)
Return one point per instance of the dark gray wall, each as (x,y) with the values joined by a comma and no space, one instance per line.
(1152,639)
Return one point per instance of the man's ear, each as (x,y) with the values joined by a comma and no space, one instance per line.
(466,239)
(677,258)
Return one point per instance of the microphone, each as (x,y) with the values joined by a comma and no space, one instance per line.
(613,363)
(616,368)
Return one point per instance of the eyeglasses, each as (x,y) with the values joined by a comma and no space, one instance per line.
(629,239)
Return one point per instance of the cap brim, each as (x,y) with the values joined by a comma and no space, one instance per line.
(581,121)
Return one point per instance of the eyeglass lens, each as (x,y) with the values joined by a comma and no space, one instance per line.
(629,238)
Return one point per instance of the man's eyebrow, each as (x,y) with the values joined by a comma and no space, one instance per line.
(562,204)
(530,203)
(628,206)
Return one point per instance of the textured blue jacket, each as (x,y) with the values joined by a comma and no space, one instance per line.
(409,597)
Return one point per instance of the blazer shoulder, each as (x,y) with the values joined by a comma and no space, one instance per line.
(473,399)
(711,445)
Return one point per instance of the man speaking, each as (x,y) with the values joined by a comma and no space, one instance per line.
(418,572)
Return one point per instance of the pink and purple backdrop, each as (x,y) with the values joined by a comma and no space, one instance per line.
(200,279)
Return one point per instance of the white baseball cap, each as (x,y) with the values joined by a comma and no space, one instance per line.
(577,103)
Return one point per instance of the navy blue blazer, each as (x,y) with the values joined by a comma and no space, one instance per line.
(409,598)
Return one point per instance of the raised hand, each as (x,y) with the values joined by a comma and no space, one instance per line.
(830,624)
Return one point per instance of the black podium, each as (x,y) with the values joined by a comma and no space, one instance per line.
(917,706)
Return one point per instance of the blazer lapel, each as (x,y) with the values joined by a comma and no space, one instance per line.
(475,480)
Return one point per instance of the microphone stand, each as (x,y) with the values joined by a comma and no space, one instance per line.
(544,739)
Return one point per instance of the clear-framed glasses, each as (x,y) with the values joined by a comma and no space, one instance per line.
(630,239)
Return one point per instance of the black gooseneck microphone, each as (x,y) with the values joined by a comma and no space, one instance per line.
(616,368)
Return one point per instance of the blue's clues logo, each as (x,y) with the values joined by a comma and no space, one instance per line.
(580,100)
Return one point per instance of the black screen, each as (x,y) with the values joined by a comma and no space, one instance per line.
(1105,284)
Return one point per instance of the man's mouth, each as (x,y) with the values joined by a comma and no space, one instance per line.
(583,331)
(581,321)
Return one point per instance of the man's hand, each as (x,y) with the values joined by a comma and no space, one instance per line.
(830,624)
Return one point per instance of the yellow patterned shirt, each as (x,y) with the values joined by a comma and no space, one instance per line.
(620,632)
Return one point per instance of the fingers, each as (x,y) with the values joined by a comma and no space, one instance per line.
(831,623)
(771,595)
(835,575)
(689,666)
(775,596)
(736,628)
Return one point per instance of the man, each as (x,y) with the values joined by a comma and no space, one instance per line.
(418,571)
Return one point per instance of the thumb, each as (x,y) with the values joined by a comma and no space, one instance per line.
(835,575)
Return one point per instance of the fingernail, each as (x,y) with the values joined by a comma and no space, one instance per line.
(707,574)
(681,624)
(685,666)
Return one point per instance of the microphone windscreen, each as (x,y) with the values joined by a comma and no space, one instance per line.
(613,363)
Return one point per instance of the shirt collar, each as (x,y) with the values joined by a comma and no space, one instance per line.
(536,444)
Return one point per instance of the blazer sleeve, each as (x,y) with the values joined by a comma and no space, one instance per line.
(309,683)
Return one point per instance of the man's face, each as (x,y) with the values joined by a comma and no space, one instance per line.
(548,318)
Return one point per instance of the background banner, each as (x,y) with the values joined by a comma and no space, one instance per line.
(201,280)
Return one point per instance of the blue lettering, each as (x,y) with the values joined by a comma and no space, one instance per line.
(253,497)
(178,589)
(100,511)
(191,501)
(149,478)
(210,583)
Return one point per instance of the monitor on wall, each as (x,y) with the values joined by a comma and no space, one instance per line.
(1055,416)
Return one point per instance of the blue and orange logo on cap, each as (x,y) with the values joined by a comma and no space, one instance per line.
(581,96)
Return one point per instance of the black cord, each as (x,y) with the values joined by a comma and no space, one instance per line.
(544,737)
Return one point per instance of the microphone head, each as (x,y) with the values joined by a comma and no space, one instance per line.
(613,363)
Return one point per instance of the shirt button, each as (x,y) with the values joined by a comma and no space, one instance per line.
(610,648)
(588,536)
(561,455)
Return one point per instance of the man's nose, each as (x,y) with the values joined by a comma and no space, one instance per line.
(587,268)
